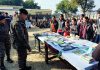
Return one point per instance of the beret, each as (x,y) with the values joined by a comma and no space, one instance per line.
(2,17)
(24,11)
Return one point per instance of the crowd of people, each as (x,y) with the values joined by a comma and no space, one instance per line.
(42,23)
(84,27)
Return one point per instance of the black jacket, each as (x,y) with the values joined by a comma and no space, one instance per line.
(55,22)
(20,34)
(89,32)
(3,32)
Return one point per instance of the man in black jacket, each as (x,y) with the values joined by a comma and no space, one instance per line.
(20,36)
(8,42)
(3,38)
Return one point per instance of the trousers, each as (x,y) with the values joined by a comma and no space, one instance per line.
(8,47)
(22,56)
(2,54)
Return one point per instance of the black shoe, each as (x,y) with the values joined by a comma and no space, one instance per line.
(26,68)
(3,68)
(10,60)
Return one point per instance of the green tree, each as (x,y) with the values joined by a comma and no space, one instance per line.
(3,2)
(11,2)
(17,2)
(98,10)
(86,5)
(30,4)
(66,6)
(74,6)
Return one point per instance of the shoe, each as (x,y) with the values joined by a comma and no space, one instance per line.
(9,60)
(3,68)
(26,68)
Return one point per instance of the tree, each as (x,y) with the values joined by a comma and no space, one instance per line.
(74,6)
(66,6)
(17,2)
(98,10)
(30,4)
(11,2)
(3,2)
(86,5)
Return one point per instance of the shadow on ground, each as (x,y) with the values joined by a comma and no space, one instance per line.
(35,59)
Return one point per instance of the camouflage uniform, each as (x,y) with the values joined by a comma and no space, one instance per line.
(2,50)
(3,37)
(7,42)
(20,36)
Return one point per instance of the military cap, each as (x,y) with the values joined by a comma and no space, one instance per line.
(2,17)
(24,11)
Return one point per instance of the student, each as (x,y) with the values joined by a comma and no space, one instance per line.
(86,30)
(73,27)
(79,22)
(67,28)
(61,24)
(97,37)
(54,24)
(96,55)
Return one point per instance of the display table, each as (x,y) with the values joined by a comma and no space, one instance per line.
(43,37)
(76,51)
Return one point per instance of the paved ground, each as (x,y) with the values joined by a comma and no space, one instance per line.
(36,60)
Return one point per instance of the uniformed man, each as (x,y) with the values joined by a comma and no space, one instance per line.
(8,43)
(20,35)
(8,19)
(3,37)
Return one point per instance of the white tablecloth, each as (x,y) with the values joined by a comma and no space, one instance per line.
(73,59)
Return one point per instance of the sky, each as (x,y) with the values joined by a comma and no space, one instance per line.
(48,4)
(51,4)
(97,3)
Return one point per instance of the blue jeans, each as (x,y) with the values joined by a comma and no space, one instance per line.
(97,38)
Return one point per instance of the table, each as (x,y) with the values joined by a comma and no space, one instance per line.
(79,64)
(36,38)
(42,37)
